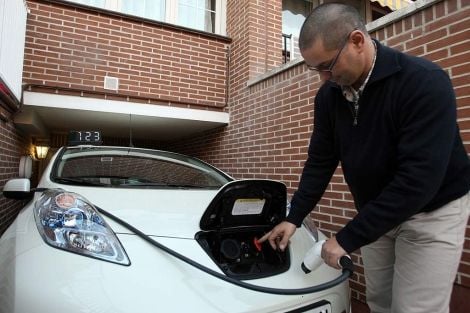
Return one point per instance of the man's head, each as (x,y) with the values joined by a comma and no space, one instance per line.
(334,41)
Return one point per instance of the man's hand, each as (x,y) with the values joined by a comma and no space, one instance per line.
(279,236)
(331,253)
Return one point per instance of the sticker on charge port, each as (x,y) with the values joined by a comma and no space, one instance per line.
(248,206)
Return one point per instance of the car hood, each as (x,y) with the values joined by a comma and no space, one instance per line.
(167,213)
(181,213)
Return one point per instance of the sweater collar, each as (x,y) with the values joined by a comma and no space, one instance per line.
(386,64)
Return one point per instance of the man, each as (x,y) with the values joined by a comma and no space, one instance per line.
(390,119)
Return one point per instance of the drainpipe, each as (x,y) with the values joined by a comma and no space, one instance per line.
(227,77)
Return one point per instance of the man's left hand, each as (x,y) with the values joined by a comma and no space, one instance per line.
(331,253)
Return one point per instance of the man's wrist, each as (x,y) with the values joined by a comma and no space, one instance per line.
(293,219)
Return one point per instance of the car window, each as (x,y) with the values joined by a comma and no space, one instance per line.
(134,168)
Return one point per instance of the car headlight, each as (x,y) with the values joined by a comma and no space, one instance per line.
(68,221)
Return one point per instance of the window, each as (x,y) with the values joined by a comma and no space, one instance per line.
(198,14)
(94,3)
(294,13)
(133,168)
(151,9)
(204,15)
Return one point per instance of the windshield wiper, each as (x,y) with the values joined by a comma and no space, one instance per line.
(77,181)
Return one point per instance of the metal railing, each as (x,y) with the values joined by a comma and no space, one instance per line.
(286,53)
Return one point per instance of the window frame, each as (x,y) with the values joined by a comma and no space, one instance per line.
(171,13)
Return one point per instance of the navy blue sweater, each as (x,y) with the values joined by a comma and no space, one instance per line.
(404,156)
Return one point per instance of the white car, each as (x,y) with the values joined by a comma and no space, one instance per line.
(129,230)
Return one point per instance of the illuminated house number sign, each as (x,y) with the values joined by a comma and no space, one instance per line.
(84,137)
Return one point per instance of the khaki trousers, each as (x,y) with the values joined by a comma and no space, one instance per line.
(412,268)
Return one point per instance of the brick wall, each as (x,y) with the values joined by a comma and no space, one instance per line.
(13,145)
(70,47)
(255,28)
(271,120)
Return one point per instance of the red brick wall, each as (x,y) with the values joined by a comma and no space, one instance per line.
(13,145)
(255,28)
(271,121)
(71,47)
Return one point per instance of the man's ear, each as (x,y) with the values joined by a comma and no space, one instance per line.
(358,39)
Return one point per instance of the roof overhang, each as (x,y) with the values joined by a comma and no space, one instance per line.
(44,113)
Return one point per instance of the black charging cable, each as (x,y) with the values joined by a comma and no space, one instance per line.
(346,263)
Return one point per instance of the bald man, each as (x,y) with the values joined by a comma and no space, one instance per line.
(390,119)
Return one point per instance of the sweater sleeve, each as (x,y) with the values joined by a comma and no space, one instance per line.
(319,166)
(427,132)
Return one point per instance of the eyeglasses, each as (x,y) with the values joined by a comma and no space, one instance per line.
(329,68)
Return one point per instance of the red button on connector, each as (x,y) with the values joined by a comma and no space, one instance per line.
(257,244)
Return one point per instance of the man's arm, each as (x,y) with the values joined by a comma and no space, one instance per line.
(427,133)
(318,169)
(321,162)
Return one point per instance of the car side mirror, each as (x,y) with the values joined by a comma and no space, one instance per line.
(17,188)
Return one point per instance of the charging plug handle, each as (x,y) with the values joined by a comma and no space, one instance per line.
(347,264)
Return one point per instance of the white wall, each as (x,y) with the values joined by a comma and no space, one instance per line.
(13,15)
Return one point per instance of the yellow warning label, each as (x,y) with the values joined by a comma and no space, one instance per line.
(248,206)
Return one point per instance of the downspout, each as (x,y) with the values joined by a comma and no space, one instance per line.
(227,76)
(266,36)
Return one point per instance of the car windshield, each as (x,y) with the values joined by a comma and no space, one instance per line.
(133,168)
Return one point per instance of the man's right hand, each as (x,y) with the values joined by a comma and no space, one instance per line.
(279,236)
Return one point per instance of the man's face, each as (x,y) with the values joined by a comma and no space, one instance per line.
(340,65)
